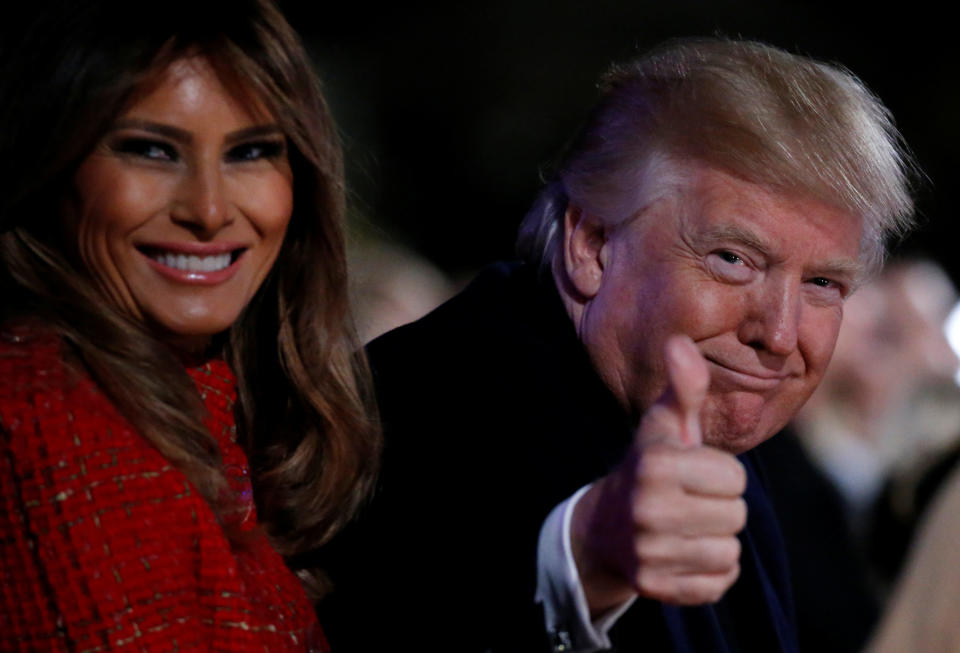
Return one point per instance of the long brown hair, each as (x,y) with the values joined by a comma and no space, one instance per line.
(305,409)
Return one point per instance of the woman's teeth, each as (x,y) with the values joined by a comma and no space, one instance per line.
(194,263)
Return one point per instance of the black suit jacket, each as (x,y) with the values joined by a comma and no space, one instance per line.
(493,415)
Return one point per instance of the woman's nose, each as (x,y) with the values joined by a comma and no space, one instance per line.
(200,201)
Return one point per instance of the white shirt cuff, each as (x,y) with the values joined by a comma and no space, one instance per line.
(559,588)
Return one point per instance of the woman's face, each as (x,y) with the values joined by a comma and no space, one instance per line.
(181,210)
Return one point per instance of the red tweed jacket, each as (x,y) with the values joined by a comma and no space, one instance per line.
(103,544)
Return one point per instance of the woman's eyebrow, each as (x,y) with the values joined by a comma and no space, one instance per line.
(256,131)
(185,136)
(160,128)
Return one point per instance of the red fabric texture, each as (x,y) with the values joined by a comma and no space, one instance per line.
(104,545)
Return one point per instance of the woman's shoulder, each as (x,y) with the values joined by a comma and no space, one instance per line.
(44,399)
(31,362)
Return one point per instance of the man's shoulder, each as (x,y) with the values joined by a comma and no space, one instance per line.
(498,321)
(490,300)
(502,363)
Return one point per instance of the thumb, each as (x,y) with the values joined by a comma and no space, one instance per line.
(688,379)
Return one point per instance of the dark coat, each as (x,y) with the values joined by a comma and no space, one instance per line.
(493,415)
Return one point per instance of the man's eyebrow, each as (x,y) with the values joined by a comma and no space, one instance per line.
(739,234)
(846,269)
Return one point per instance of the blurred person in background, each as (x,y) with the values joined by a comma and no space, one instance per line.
(922,614)
(928,449)
(391,285)
(887,402)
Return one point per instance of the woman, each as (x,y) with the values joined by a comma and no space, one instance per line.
(174,333)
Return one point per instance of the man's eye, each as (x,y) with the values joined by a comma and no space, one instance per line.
(147,149)
(729,267)
(257,150)
(824,282)
(830,286)
(729,257)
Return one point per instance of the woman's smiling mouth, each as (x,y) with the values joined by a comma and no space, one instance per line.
(198,263)
(193,263)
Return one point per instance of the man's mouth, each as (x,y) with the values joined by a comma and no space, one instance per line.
(724,374)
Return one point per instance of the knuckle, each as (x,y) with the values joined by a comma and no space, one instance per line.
(734,472)
(717,555)
(729,552)
(653,512)
(739,476)
(733,576)
(714,587)
(651,550)
(715,592)
(727,466)
(655,585)
(740,520)
(645,582)
(698,590)
(646,512)
(658,463)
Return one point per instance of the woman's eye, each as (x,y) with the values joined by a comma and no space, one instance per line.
(147,149)
(257,150)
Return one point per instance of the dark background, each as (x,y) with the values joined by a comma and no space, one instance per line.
(449,111)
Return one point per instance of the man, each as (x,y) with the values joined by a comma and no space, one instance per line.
(684,281)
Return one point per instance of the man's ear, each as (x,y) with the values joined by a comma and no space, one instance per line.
(584,254)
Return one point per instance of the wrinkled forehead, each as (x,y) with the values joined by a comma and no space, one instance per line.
(845,216)
(733,204)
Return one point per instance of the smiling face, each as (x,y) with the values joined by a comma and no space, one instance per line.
(180,211)
(755,278)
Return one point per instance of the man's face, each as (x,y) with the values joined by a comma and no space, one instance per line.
(756,279)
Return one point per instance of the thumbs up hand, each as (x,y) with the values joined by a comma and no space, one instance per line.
(664,523)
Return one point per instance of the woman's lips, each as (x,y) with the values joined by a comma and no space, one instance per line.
(194,263)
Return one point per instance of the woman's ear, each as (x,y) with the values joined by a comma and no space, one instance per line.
(584,254)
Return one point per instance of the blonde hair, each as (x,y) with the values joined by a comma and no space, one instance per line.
(781,120)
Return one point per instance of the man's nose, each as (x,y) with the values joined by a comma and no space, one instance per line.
(200,202)
(773,321)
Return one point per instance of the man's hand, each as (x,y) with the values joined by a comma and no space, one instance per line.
(664,523)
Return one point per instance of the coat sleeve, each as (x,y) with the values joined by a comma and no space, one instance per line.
(91,546)
(29,618)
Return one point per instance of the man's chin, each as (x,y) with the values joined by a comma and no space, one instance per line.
(737,444)
(738,424)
